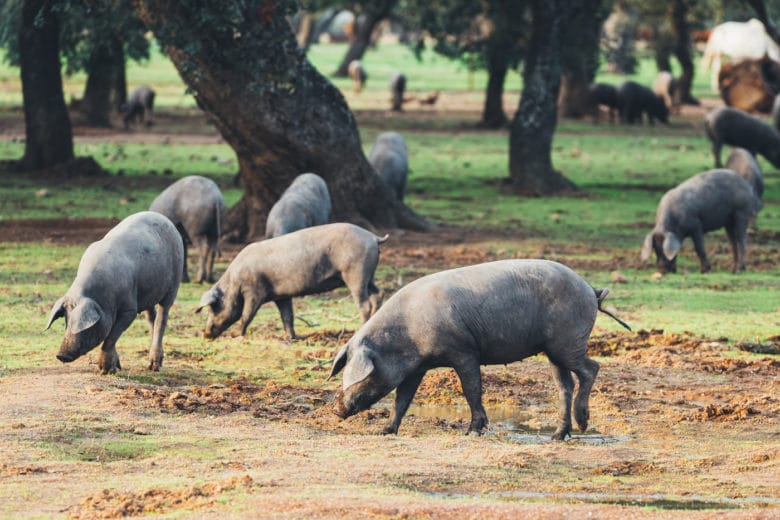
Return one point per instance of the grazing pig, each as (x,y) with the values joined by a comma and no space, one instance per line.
(139,105)
(136,267)
(390,159)
(744,163)
(726,125)
(305,203)
(665,86)
(603,94)
(706,202)
(308,261)
(635,100)
(397,88)
(485,314)
(196,207)
(357,74)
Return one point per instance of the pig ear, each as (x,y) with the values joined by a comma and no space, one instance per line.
(359,367)
(647,248)
(210,297)
(671,245)
(57,311)
(84,315)
(339,361)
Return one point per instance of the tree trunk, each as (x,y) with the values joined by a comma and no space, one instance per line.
(530,139)
(682,49)
(378,11)
(282,117)
(48,134)
(493,115)
(574,99)
(119,79)
(96,102)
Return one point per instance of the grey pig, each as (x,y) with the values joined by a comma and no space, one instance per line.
(139,105)
(305,203)
(744,163)
(485,314)
(308,261)
(726,125)
(397,88)
(196,207)
(390,159)
(136,267)
(706,202)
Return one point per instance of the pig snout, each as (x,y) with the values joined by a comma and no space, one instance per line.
(65,357)
(341,409)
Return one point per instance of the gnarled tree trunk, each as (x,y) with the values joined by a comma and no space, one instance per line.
(103,68)
(682,49)
(493,115)
(48,134)
(365,24)
(278,113)
(530,139)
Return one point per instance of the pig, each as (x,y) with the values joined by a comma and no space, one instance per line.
(390,159)
(776,113)
(665,86)
(746,166)
(357,74)
(135,267)
(305,203)
(484,314)
(706,202)
(139,105)
(603,94)
(635,100)
(308,261)
(397,88)
(196,207)
(726,125)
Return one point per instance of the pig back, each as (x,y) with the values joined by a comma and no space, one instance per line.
(139,262)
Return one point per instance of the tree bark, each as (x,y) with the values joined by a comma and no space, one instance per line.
(48,133)
(119,79)
(493,115)
(682,49)
(530,140)
(280,115)
(374,13)
(574,98)
(102,70)
(759,6)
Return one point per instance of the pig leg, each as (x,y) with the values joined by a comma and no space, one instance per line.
(108,362)
(373,297)
(586,371)
(698,243)
(565,383)
(471,382)
(211,255)
(203,251)
(359,290)
(151,315)
(403,398)
(251,305)
(156,350)
(737,233)
(716,145)
(184,277)
(286,312)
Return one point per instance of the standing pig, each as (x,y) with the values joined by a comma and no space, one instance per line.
(196,207)
(635,100)
(706,202)
(397,88)
(726,125)
(485,314)
(305,203)
(357,74)
(390,159)
(139,105)
(746,166)
(136,267)
(603,94)
(309,261)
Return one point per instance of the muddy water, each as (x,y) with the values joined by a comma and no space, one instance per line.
(510,423)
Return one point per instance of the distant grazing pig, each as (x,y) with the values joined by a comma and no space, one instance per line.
(603,94)
(743,162)
(357,74)
(706,202)
(136,267)
(140,105)
(635,100)
(665,86)
(196,207)
(390,159)
(486,314)
(397,88)
(726,125)
(305,203)
(309,261)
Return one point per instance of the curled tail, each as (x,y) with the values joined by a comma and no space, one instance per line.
(382,240)
(601,295)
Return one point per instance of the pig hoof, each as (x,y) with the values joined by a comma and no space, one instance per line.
(561,434)
(477,426)
(389,430)
(155,365)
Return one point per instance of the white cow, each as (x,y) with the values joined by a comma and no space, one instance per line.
(738,41)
